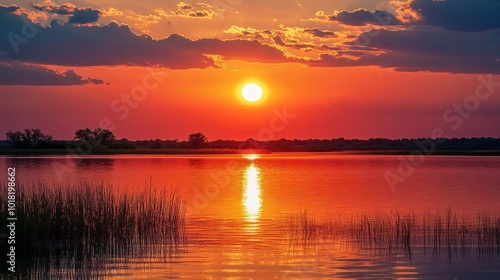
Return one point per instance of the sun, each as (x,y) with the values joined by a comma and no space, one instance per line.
(252,92)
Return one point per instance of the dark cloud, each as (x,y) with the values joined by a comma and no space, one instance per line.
(363,17)
(351,53)
(76,15)
(184,6)
(358,47)
(434,42)
(432,50)
(32,75)
(75,45)
(202,14)
(8,17)
(454,15)
(459,15)
(8,9)
(320,33)
(454,36)
(63,9)
(329,48)
(84,16)
(249,32)
(417,49)
(278,41)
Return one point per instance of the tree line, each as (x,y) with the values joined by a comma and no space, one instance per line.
(36,139)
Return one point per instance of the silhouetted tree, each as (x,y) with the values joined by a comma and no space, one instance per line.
(123,144)
(197,140)
(250,143)
(30,138)
(157,144)
(97,136)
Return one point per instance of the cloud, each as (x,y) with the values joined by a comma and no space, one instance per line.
(184,6)
(433,50)
(411,63)
(9,9)
(414,48)
(249,32)
(141,23)
(360,17)
(188,10)
(455,36)
(75,15)
(457,15)
(237,49)
(49,6)
(278,41)
(200,14)
(113,44)
(434,42)
(83,16)
(297,38)
(453,15)
(351,53)
(33,75)
(320,33)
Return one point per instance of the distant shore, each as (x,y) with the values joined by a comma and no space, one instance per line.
(47,152)
(18,152)
(103,142)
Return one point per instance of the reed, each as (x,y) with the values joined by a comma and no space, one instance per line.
(92,215)
(389,232)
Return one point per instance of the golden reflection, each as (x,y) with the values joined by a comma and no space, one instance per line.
(251,156)
(252,201)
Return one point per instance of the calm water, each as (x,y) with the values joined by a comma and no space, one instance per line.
(233,201)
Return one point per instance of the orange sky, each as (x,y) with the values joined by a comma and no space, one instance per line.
(348,96)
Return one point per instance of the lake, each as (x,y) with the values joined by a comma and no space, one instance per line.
(236,205)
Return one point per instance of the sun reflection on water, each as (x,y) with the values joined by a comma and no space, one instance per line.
(251,156)
(252,201)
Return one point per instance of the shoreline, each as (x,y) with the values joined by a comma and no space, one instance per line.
(49,152)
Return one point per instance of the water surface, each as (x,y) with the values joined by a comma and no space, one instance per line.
(234,200)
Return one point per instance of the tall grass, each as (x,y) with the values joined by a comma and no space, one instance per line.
(96,214)
(76,227)
(390,232)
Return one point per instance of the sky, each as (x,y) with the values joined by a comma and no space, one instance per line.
(328,69)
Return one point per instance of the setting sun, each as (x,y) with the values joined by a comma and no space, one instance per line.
(252,92)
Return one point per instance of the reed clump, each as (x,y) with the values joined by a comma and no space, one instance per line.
(397,230)
(299,227)
(96,215)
